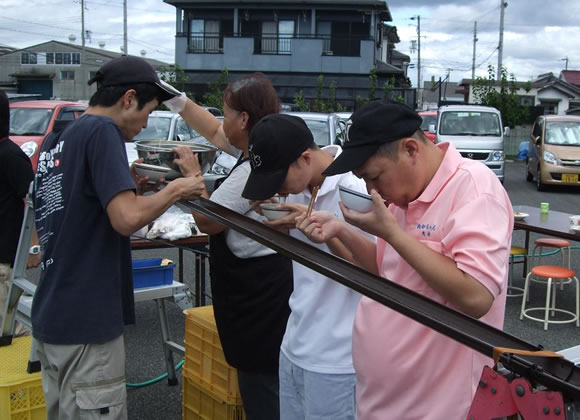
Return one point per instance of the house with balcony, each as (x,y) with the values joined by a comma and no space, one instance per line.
(293,43)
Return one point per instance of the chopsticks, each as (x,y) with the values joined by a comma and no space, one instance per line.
(312,199)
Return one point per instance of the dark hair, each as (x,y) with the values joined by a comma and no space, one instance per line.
(4,115)
(391,149)
(108,96)
(253,94)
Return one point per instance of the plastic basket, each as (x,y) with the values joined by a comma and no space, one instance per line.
(200,405)
(205,363)
(21,396)
(150,273)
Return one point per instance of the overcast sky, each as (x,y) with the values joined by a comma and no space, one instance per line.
(538,34)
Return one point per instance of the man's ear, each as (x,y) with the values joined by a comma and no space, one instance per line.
(410,146)
(128,99)
(307,156)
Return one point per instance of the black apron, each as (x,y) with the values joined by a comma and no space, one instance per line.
(250,302)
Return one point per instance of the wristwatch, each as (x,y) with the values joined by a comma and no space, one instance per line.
(34,250)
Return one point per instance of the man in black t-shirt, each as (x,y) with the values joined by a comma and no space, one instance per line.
(86,208)
(15,177)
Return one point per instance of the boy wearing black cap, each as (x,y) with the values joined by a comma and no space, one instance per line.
(316,373)
(86,207)
(445,232)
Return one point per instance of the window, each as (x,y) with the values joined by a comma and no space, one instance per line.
(183,130)
(67,75)
(526,100)
(277,37)
(324,31)
(537,131)
(205,35)
(63,58)
(28,58)
(550,108)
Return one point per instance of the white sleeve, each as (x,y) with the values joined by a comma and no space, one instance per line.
(229,193)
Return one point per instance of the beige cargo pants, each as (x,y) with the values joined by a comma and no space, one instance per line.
(5,273)
(85,381)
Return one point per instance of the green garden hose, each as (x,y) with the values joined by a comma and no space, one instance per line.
(154,380)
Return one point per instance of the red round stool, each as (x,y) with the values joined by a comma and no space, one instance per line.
(561,244)
(554,275)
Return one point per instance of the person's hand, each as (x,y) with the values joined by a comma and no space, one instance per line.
(33,260)
(190,187)
(320,227)
(187,161)
(142,182)
(177,103)
(379,221)
(288,222)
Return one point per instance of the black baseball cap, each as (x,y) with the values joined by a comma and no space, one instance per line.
(276,141)
(129,70)
(373,125)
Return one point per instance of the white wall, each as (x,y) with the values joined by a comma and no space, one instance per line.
(553,95)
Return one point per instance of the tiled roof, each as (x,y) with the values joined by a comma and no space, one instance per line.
(571,76)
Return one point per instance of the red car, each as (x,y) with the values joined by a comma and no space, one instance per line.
(429,118)
(31,121)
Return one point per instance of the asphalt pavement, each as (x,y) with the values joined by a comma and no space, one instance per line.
(145,359)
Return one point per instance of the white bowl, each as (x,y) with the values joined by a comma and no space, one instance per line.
(575,228)
(518,215)
(354,200)
(155,173)
(272,211)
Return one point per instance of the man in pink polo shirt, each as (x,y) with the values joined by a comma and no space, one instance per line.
(445,232)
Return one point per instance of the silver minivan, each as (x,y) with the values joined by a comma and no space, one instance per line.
(476,132)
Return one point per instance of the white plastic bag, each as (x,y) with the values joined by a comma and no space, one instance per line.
(173,224)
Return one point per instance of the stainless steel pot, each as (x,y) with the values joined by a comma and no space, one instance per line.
(160,153)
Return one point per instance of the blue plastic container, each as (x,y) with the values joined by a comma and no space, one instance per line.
(150,273)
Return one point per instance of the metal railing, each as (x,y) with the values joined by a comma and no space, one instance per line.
(205,43)
(343,46)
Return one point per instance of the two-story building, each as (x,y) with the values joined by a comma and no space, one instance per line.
(292,42)
(55,70)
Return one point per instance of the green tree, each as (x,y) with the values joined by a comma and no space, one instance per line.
(505,99)
(175,76)
(318,104)
(214,95)
(373,84)
(300,101)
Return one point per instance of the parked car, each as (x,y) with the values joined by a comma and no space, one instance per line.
(475,131)
(554,152)
(429,118)
(326,128)
(31,121)
(215,111)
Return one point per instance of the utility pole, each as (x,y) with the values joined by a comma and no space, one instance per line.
(502,7)
(419,98)
(418,17)
(474,42)
(83,69)
(125,50)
